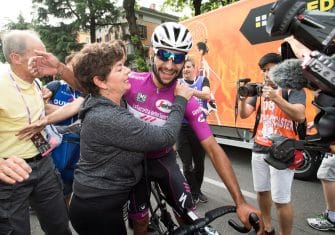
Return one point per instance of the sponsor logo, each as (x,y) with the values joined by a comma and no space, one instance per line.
(163,106)
(182,199)
(201,118)
(260,21)
(140,97)
(142,207)
(254,25)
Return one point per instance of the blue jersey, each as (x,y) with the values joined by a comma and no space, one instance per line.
(197,85)
(66,155)
(62,94)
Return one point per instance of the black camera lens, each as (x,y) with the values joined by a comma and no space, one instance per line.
(249,90)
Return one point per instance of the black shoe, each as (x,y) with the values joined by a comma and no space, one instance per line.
(202,198)
(196,199)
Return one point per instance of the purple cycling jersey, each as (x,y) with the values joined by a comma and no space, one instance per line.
(153,105)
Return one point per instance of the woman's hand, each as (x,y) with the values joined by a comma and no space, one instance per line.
(44,64)
(28,131)
(183,90)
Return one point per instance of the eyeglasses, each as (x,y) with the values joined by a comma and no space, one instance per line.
(164,55)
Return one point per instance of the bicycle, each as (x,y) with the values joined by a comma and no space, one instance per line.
(161,219)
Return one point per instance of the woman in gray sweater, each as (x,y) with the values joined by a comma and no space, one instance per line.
(112,140)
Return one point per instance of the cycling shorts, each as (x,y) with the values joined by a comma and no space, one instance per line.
(173,184)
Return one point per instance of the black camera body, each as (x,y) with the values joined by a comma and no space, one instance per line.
(320,72)
(250,89)
(316,30)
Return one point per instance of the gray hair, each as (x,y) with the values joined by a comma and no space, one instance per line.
(15,41)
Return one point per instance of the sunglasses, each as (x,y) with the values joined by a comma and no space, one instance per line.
(164,55)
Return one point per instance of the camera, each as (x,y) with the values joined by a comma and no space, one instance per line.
(315,30)
(250,89)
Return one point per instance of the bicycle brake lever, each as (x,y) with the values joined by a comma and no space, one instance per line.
(253,220)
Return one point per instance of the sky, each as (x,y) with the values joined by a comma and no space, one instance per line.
(11,10)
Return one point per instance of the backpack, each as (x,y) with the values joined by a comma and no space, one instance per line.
(299,128)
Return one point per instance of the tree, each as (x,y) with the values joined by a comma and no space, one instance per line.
(129,7)
(139,58)
(59,40)
(85,14)
(196,5)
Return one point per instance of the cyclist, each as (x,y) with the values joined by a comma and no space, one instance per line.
(150,99)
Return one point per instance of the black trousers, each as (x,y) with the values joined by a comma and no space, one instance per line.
(101,215)
(43,191)
(192,156)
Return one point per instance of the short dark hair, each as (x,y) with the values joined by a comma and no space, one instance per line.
(268,58)
(203,47)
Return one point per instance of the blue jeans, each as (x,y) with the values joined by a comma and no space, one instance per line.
(43,191)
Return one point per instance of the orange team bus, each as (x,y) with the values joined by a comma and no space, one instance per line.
(236,39)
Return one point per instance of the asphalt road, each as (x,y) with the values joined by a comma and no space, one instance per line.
(307,196)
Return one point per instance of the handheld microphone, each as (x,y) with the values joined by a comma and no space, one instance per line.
(288,74)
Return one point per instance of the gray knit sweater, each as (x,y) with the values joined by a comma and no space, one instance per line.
(112,145)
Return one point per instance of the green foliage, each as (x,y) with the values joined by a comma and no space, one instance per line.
(60,40)
(138,60)
(141,64)
(198,6)
(85,14)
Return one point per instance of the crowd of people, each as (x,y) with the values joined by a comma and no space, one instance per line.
(127,138)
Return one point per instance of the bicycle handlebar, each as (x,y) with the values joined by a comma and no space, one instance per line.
(212,215)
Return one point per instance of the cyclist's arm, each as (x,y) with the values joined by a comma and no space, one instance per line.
(220,161)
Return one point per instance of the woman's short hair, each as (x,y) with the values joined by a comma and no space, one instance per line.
(95,59)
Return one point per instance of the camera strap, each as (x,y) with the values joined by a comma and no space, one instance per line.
(258,117)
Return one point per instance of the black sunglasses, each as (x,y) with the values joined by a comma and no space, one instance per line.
(164,55)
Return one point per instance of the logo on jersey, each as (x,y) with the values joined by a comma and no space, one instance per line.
(140,97)
(202,118)
(163,106)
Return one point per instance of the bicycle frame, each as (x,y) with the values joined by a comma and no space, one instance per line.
(164,215)
(199,224)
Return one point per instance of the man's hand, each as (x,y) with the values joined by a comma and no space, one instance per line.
(243,212)
(14,170)
(299,49)
(269,93)
(28,131)
(44,64)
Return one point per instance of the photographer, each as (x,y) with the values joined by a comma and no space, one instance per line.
(277,116)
